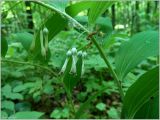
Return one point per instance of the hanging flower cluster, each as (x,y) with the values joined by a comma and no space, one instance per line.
(43,41)
(74,56)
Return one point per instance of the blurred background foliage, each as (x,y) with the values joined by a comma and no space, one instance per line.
(29,87)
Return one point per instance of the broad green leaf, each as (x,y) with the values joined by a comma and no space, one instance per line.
(29,84)
(86,104)
(6,90)
(15,96)
(28,115)
(23,106)
(65,113)
(101,106)
(103,24)
(97,8)
(4,115)
(140,92)
(8,105)
(112,38)
(60,113)
(59,4)
(149,110)
(76,8)
(4,46)
(36,94)
(19,88)
(56,114)
(113,113)
(132,52)
(24,38)
(48,89)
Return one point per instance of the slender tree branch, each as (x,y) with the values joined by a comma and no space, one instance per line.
(93,40)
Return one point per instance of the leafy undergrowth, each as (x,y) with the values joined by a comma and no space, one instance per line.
(80,59)
(36,89)
(30,88)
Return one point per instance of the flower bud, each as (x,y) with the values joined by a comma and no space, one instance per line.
(74,51)
(84,54)
(64,65)
(79,53)
(82,72)
(45,33)
(74,60)
(69,53)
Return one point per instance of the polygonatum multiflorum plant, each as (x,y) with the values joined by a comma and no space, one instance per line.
(140,98)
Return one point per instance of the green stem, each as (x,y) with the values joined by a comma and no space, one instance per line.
(69,100)
(109,67)
(27,63)
(93,40)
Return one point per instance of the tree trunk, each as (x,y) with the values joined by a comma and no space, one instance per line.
(113,15)
(29,15)
(156,5)
(148,10)
(133,18)
(137,17)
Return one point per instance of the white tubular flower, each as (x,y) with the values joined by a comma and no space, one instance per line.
(73,68)
(74,51)
(45,33)
(82,72)
(79,53)
(84,54)
(74,60)
(69,53)
(43,51)
(33,41)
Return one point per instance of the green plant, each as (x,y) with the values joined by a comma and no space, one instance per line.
(139,47)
